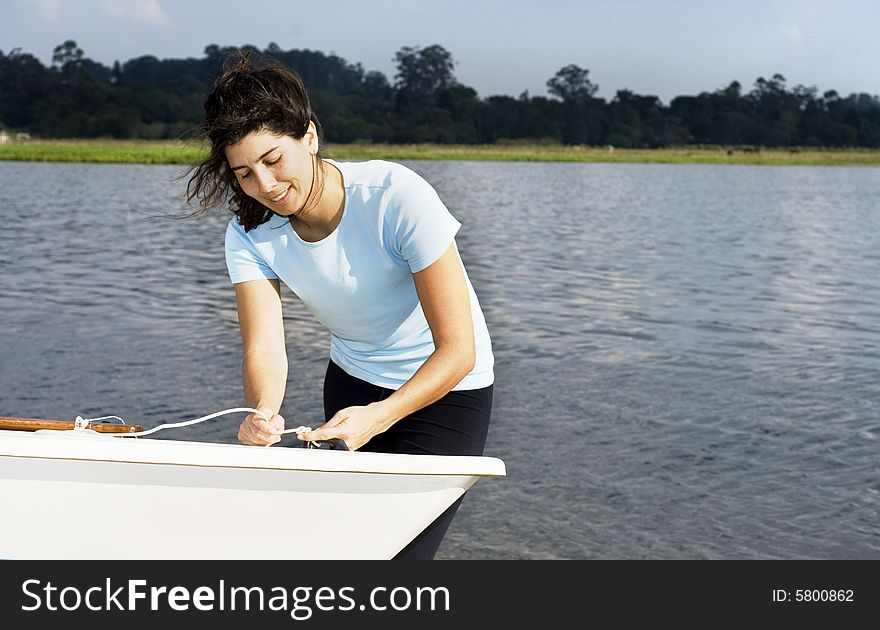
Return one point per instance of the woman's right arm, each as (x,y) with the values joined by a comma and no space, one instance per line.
(264,362)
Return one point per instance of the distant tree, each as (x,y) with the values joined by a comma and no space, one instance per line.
(375,85)
(804,96)
(423,72)
(24,84)
(66,53)
(212,51)
(626,127)
(733,91)
(581,114)
(572,83)
(777,111)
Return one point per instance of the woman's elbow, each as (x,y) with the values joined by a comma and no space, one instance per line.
(470,359)
(465,357)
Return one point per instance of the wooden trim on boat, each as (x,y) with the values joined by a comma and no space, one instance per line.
(34,424)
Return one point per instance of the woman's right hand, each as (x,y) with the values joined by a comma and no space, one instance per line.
(256,431)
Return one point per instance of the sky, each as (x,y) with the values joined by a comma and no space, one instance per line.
(664,48)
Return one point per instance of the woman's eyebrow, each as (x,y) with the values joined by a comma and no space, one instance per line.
(235,168)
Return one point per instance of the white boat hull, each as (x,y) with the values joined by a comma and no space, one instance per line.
(65,497)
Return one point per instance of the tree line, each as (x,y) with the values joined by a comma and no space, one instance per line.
(153,98)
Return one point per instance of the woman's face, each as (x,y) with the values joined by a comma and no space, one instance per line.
(275,170)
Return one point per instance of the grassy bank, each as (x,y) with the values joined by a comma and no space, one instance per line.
(556,153)
(106,151)
(173,152)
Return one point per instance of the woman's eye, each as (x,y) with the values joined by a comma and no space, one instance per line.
(275,161)
(244,175)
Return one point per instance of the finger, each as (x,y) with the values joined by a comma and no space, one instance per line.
(278,423)
(272,427)
(311,436)
(321,434)
(342,415)
(263,436)
(252,435)
(338,418)
(244,433)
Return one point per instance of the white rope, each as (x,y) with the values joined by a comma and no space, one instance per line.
(82,423)
(176,425)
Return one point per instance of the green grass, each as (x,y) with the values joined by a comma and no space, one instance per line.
(104,151)
(558,153)
(174,152)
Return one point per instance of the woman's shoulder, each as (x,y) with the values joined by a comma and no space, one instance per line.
(263,232)
(376,173)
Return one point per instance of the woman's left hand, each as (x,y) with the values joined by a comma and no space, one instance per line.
(353,425)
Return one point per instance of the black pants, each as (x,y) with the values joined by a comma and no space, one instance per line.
(456,424)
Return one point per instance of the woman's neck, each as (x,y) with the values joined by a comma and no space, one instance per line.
(322,218)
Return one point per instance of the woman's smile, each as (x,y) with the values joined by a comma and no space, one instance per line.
(282,197)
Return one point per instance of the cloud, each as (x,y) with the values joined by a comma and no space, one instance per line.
(147,11)
(797,19)
(49,9)
(792,32)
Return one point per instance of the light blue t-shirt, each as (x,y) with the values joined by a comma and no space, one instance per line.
(358,280)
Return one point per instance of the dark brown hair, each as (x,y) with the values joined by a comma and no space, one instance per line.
(251,94)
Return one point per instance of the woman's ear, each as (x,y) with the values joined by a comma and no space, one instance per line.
(311,139)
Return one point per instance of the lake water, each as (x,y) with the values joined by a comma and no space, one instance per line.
(688,357)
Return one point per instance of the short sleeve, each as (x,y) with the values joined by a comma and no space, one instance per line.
(421,226)
(243,261)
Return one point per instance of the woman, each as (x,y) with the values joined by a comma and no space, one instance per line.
(369,248)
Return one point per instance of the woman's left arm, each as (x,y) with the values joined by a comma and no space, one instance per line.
(443,293)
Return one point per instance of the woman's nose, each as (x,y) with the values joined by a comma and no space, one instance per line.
(265,180)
